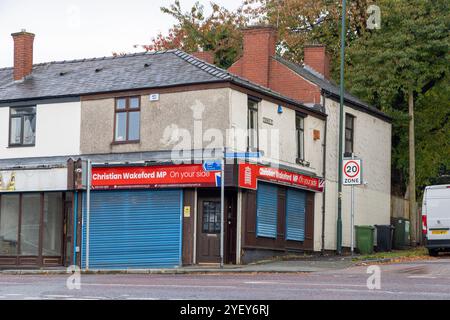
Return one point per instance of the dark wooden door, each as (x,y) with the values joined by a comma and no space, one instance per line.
(208,230)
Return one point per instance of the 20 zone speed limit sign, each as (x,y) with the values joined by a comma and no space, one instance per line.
(352,171)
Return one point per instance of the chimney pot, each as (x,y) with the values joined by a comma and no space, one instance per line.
(23,54)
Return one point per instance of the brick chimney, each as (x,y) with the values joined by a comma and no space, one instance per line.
(207,56)
(316,57)
(23,54)
(259,46)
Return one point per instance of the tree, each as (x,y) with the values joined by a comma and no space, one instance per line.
(218,32)
(302,22)
(395,67)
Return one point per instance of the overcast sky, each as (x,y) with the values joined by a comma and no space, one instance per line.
(85,28)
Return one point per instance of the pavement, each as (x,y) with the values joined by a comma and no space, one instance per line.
(299,265)
(427,279)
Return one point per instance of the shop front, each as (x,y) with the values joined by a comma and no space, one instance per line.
(33,207)
(277,211)
(136,214)
(167,215)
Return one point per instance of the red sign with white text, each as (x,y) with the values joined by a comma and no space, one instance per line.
(250,173)
(190,175)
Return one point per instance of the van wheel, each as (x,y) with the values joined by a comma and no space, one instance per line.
(433,252)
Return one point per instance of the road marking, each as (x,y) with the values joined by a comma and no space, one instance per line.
(307,284)
(13,294)
(156,285)
(402,293)
(137,298)
(422,277)
(57,296)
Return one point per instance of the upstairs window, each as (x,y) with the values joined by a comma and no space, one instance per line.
(300,136)
(349,134)
(252,125)
(127,119)
(22,126)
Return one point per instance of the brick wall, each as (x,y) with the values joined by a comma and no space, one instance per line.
(257,65)
(23,54)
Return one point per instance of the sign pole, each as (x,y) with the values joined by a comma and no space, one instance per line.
(88,209)
(222,205)
(352,231)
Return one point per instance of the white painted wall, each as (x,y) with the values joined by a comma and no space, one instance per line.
(372,143)
(281,142)
(57,132)
(284,127)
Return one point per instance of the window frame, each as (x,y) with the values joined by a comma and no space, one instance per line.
(210,223)
(253,107)
(22,123)
(352,131)
(127,110)
(300,155)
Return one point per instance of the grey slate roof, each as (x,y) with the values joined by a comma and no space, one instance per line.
(329,87)
(128,72)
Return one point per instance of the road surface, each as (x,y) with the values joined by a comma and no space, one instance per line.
(429,279)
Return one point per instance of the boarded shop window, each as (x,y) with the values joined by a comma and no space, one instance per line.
(52,224)
(267,210)
(295,214)
(30,223)
(9,224)
(22,126)
(127,119)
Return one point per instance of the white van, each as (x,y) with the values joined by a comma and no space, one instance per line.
(436,218)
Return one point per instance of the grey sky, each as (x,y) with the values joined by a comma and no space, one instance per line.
(85,28)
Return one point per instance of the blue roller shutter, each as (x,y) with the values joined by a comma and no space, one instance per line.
(295,214)
(266,212)
(133,229)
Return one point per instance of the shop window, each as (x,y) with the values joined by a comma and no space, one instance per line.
(9,224)
(29,227)
(127,119)
(52,224)
(22,126)
(21,235)
(349,134)
(211,217)
(252,125)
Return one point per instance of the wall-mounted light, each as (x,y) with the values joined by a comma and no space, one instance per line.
(280,109)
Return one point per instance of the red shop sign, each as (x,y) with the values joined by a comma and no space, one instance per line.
(250,173)
(190,175)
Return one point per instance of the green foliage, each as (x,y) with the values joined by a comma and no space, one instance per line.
(409,52)
(194,31)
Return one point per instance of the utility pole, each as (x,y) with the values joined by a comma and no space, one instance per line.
(341,135)
(412,171)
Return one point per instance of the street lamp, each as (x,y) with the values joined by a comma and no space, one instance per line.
(341,125)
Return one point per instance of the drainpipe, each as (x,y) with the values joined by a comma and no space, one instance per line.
(324,171)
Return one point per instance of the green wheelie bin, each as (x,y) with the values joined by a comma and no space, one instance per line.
(364,236)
